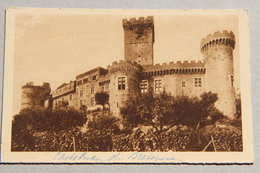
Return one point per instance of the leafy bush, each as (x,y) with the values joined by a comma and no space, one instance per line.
(100,130)
(31,122)
(182,138)
(163,111)
(153,122)
(226,137)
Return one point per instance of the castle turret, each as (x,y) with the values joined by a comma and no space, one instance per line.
(217,50)
(124,82)
(33,95)
(139,39)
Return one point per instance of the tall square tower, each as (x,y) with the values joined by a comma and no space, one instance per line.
(139,39)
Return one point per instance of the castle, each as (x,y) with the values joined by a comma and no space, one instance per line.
(137,72)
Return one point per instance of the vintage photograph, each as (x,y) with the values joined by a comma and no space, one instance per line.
(126,81)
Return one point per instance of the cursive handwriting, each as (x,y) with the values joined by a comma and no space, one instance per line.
(114,157)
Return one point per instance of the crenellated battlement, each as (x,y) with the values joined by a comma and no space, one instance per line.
(33,95)
(217,39)
(45,85)
(136,21)
(124,65)
(174,64)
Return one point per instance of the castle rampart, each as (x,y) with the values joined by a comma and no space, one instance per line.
(137,73)
(139,39)
(174,65)
(124,66)
(218,38)
(124,81)
(217,50)
(34,95)
(133,22)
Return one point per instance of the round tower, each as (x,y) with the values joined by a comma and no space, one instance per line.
(34,95)
(124,82)
(217,50)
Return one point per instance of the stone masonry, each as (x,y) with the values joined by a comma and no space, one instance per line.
(137,73)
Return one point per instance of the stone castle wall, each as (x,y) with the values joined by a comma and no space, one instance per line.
(131,72)
(33,95)
(139,39)
(217,50)
(192,78)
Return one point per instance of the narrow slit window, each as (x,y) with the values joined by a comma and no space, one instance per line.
(232,80)
(183,86)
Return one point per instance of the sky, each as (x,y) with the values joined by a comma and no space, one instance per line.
(55,47)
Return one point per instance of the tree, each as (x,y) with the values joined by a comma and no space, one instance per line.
(102,98)
(196,112)
(150,109)
(100,132)
(163,111)
(31,122)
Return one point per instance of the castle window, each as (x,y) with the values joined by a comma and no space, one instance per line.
(92,101)
(232,80)
(107,87)
(197,82)
(92,91)
(139,58)
(81,93)
(85,80)
(144,86)
(121,83)
(80,102)
(183,86)
(79,82)
(94,77)
(158,85)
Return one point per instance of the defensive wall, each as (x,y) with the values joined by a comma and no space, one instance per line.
(215,72)
(34,95)
(124,82)
(123,66)
(177,67)
(139,39)
(217,50)
(218,38)
(137,21)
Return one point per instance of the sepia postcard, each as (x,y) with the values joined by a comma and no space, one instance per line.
(126,86)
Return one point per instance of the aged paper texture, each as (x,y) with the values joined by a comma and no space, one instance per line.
(127,86)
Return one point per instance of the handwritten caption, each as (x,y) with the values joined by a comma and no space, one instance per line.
(117,157)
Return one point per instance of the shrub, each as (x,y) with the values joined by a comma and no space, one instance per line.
(31,123)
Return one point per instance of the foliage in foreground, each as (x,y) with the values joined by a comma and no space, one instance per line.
(163,111)
(183,139)
(31,122)
(165,123)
